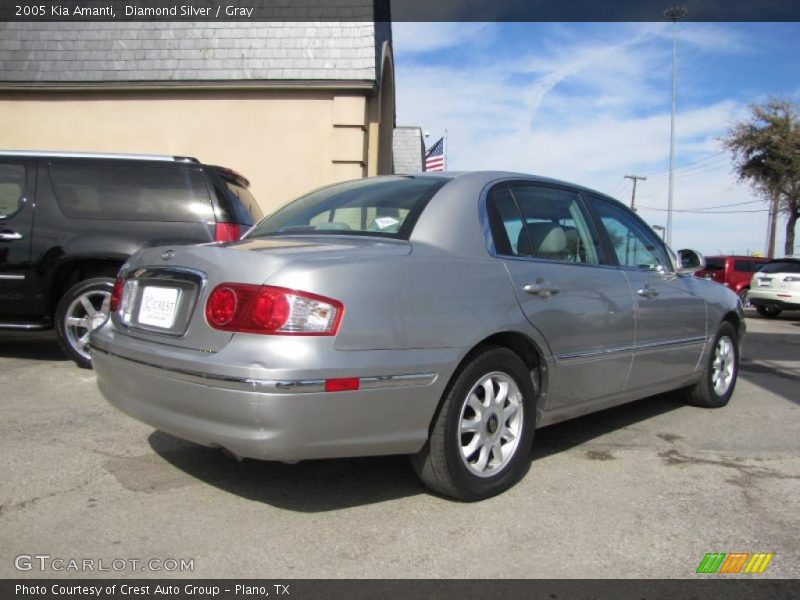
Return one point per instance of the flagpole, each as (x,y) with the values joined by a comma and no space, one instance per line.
(445,149)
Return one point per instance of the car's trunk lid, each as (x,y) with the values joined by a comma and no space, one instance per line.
(166,288)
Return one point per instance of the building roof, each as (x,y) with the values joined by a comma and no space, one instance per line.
(74,53)
(408,150)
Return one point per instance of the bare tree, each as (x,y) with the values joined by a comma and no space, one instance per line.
(766,154)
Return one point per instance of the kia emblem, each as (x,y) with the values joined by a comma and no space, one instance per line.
(167,254)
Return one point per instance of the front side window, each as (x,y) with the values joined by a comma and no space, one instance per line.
(131,193)
(634,244)
(12,188)
(541,222)
(385,207)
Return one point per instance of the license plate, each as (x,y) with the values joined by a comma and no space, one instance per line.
(764,282)
(158,307)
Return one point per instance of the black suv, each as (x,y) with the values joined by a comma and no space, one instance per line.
(68,222)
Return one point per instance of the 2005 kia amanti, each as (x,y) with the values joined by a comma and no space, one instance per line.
(442,316)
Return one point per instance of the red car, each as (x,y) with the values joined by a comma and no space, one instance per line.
(734,272)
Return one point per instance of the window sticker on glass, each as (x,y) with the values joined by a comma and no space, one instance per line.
(385,222)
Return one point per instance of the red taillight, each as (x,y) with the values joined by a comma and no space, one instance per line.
(272,310)
(221,306)
(226,232)
(346,384)
(116,294)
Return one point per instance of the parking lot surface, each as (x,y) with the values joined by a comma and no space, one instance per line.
(642,490)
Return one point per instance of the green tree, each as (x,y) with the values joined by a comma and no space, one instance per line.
(766,154)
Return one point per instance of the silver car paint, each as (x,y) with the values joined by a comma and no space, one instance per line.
(411,308)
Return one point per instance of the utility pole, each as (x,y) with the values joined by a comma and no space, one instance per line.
(634,178)
(673,13)
(773,224)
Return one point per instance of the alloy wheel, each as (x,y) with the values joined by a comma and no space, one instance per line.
(85,314)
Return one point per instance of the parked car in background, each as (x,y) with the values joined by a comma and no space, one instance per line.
(734,272)
(68,221)
(776,287)
(442,316)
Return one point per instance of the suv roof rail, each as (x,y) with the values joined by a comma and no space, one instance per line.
(108,155)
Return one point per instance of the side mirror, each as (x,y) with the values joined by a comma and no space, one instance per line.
(690,261)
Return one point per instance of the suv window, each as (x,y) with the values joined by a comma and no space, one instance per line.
(715,264)
(781,266)
(246,198)
(12,188)
(541,222)
(131,193)
(386,207)
(633,242)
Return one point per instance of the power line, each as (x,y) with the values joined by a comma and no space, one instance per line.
(705,212)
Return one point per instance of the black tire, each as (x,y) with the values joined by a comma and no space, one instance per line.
(704,393)
(68,335)
(440,464)
(769,311)
(743,297)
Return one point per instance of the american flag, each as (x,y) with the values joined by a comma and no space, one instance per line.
(434,157)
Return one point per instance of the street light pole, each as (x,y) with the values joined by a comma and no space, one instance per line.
(673,13)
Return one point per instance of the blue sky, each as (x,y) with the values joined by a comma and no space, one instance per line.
(589,103)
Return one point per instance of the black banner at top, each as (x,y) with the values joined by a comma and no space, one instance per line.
(397,10)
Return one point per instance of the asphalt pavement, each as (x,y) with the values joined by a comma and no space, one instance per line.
(642,490)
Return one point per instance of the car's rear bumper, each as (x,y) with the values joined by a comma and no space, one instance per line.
(275,419)
(786,300)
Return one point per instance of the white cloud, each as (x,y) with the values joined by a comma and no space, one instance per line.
(589,112)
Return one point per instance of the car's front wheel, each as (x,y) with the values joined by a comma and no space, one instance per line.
(82,310)
(718,380)
(768,310)
(480,441)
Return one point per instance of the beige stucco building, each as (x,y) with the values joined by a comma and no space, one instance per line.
(292,106)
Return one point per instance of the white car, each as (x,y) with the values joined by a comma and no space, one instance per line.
(776,287)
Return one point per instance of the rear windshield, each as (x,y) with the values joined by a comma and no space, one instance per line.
(386,207)
(131,193)
(781,266)
(246,198)
(715,264)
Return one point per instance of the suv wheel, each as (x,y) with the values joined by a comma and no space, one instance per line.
(718,381)
(480,442)
(744,296)
(768,310)
(81,310)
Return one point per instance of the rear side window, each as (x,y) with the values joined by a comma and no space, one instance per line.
(746,266)
(781,266)
(246,198)
(12,188)
(385,207)
(131,193)
(541,222)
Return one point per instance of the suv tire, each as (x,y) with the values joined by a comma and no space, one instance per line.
(83,308)
(768,310)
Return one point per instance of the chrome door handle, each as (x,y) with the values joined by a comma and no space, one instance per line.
(648,292)
(541,288)
(9,236)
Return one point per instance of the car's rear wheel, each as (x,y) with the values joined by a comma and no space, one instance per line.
(768,310)
(718,380)
(82,310)
(480,441)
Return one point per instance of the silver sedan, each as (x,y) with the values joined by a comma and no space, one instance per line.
(445,316)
